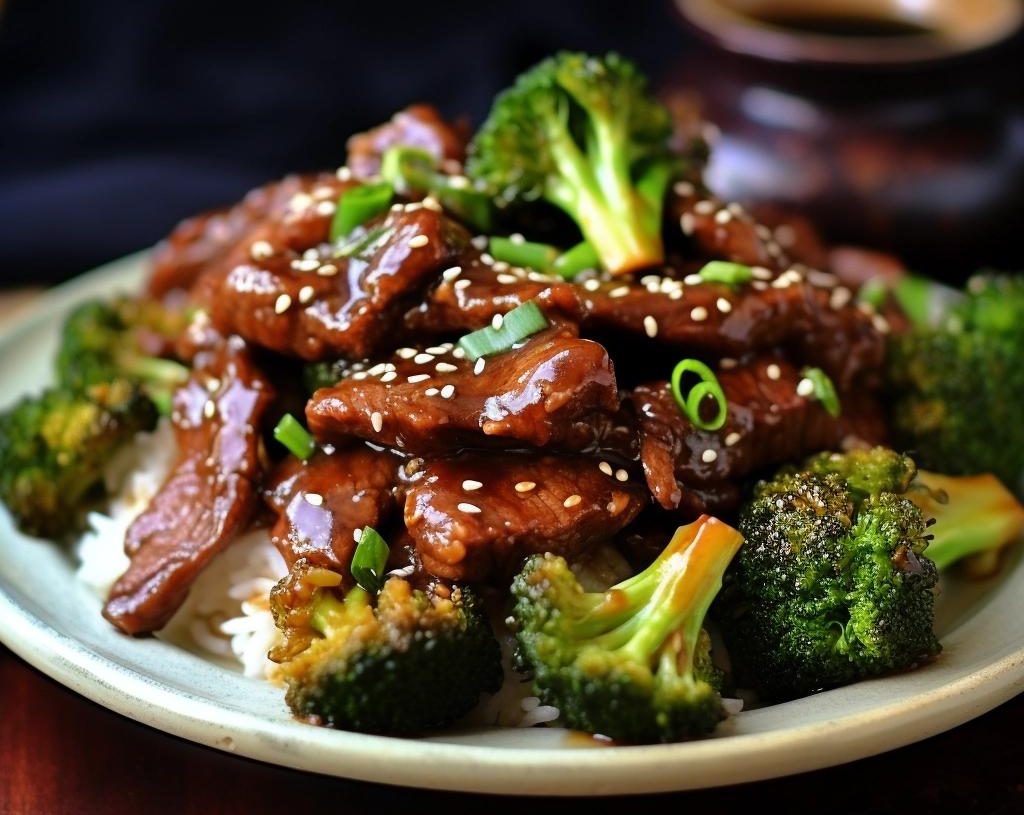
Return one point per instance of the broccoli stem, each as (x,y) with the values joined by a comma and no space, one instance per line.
(974,516)
(595,189)
(674,593)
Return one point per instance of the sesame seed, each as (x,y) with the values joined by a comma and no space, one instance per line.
(458,182)
(698,314)
(731,439)
(306,294)
(605,468)
(389,376)
(325,208)
(704,207)
(377,369)
(500,266)
(572,500)
(650,326)
(446,368)
(525,486)
(462,284)
(723,216)
(621,291)
(761,273)
(282,304)
(418,241)
(687,223)
(675,294)
(693,280)
(592,285)
(260,250)
(377,421)
(773,371)
(785,235)
(357,534)
(437,350)
(423,359)
(487,259)
(880,323)
(314,498)
(432,204)
(344,174)
(471,509)
(209,409)
(478,366)
(479,242)
(708,456)
(406,353)
(763,232)
(723,305)
(496,321)
(212,384)
(621,475)
(805,387)
(459,353)
(447,392)
(683,188)
(359,375)
(452,273)
(327,270)
(727,363)
(412,380)
(431,391)
(305,265)
(469,485)
(507,279)
(736,209)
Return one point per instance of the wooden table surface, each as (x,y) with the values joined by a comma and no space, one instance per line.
(63,755)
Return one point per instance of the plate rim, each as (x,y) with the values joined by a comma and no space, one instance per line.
(502,770)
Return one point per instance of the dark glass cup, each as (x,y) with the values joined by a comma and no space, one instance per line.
(897,125)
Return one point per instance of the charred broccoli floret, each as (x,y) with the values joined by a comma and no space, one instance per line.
(55,446)
(832,584)
(404,661)
(583,133)
(976,519)
(956,380)
(103,342)
(632,663)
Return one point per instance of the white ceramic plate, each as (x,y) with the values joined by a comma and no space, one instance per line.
(54,623)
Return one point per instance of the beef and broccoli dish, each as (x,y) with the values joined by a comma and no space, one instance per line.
(530,405)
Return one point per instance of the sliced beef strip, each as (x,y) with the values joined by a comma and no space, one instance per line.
(207,499)
(416,126)
(323,502)
(768,423)
(315,305)
(432,400)
(293,212)
(818,323)
(475,516)
(468,299)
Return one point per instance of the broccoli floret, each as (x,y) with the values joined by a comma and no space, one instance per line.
(584,134)
(102,342)
(407,661)
(956,382)
(55,446)
(976,519)
(632,663)
(832,584)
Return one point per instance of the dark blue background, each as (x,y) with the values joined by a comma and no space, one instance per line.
(119,118)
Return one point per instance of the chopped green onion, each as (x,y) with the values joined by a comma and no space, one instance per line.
(722,271)
(824,390)
(370,559)
(926,302)
(359,205)
(358,245)
(411,169)
(573,261)
(522,322)
(295,437)
(538,256)
(873,292)
(691,403)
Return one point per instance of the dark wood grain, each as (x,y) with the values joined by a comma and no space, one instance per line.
(63,755)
